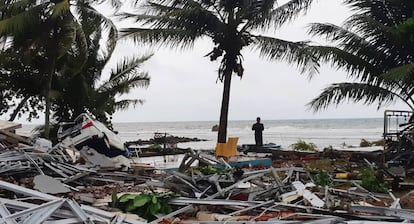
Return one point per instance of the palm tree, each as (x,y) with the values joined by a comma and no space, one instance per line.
(232,26)
(79,87)
(83,93)
(374,47)
(47,28)
(52,31)
(21,84)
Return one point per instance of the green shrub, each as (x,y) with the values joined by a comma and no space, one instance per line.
(207,170)
(365,143)
(322,178)
(301,145)
(370,182)
(146,205)
(328,149)
(155,147)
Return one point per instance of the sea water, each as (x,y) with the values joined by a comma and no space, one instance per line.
(321,132)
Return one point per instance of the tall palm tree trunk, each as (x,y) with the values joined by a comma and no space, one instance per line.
(222,132)
(48,97)
(53,54)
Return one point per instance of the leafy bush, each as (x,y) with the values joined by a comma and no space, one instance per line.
(328,149)
(207,170)
(146,205)
(301,145)
(322,178)
(155,147)
(365,143)
(370,182)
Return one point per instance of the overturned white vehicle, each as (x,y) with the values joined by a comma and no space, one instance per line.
(87,131)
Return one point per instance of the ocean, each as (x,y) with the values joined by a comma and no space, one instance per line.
(321,132)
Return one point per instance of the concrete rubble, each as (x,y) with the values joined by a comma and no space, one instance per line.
(40,183)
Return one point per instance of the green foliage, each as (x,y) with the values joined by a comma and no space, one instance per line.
(301,145)
(322,178)
(328,149)
(374,48)
(365,143)
(146,205)
(155,147)
(70,36)
(207,170)
(370,181)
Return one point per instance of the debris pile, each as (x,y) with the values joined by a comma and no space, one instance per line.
(273,195)
(164,138)
(162,144)
(76,181)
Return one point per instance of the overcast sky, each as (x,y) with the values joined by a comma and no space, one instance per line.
(183,83)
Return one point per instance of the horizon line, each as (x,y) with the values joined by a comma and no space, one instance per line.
(263,119)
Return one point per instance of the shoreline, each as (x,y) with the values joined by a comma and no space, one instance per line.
(323,133)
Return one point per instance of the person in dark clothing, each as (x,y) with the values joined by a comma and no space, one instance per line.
(258,129)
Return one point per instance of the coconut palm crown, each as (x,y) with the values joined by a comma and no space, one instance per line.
(374,47)
(53,54)
(232,25)
(39,40)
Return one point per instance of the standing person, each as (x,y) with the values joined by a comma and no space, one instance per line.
(258,129)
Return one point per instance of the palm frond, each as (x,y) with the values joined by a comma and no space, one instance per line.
(382,38)
(21,21)
(403,74)
(264,19)
(128,66)
(365,93)
(67,37)
(368,27)
(345,39)
(159,16)
(13,5)
(389,13)
(351,63)
(161,37)
(59,9)
(293,52)
(82,44)
(125,84)
(116,4)
(126,76)
(372,51)
(126,103)
(77,54)
(257,13)
(89,14)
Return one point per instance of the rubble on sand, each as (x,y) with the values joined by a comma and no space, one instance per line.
(40,183)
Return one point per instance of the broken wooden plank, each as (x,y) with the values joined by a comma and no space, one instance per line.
(11,135)
(9,126)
